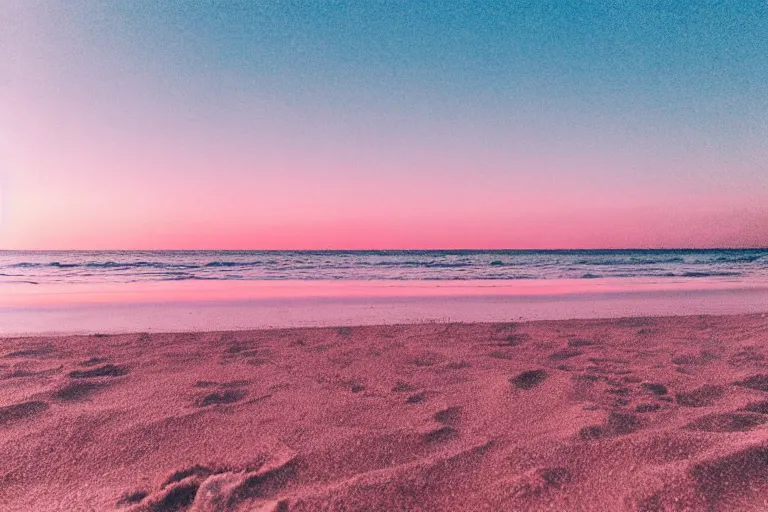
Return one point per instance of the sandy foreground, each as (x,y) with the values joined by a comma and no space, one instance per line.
(623,414)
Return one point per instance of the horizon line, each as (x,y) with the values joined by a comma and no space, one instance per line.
(474,249)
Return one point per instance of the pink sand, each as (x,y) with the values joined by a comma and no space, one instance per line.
(621,414)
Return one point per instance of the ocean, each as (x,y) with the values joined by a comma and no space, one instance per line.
(82,267)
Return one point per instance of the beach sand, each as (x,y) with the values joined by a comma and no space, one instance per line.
(620,414)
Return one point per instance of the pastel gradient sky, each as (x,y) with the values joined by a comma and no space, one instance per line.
(316,124)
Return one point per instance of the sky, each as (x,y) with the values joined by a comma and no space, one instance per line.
(383,124)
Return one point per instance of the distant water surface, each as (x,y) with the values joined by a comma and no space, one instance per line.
(83,267)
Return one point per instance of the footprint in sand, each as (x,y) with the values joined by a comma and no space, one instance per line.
(131,498)
(427,359)
(87,387)
(179,497)
(449,416)
(200,488)
(196,470)
(77,391)
(498,354)
(440,435)
(35,351)
(538,481)
(529,379)
(653,503)
(727,422)
(703,396)
(618,424)
(22,373)
(226,397)
(107,370)
(564,354)
(402,387)
(585,378)
(512,340)
(758,382)
(242,351)
(416,399)
(16,412)
(647,407)
(758,407)
(747,357)
(555,477)
(656,389)
(703,358)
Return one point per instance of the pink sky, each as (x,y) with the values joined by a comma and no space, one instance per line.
(91,188)
(114,141)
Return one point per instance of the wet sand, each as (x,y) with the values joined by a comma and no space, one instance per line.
(619,414)
(185,306)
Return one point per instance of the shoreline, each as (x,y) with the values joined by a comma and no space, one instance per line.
(47,295)
(24,337)
(220,313)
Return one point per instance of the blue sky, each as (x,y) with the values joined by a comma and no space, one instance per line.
(384,113)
